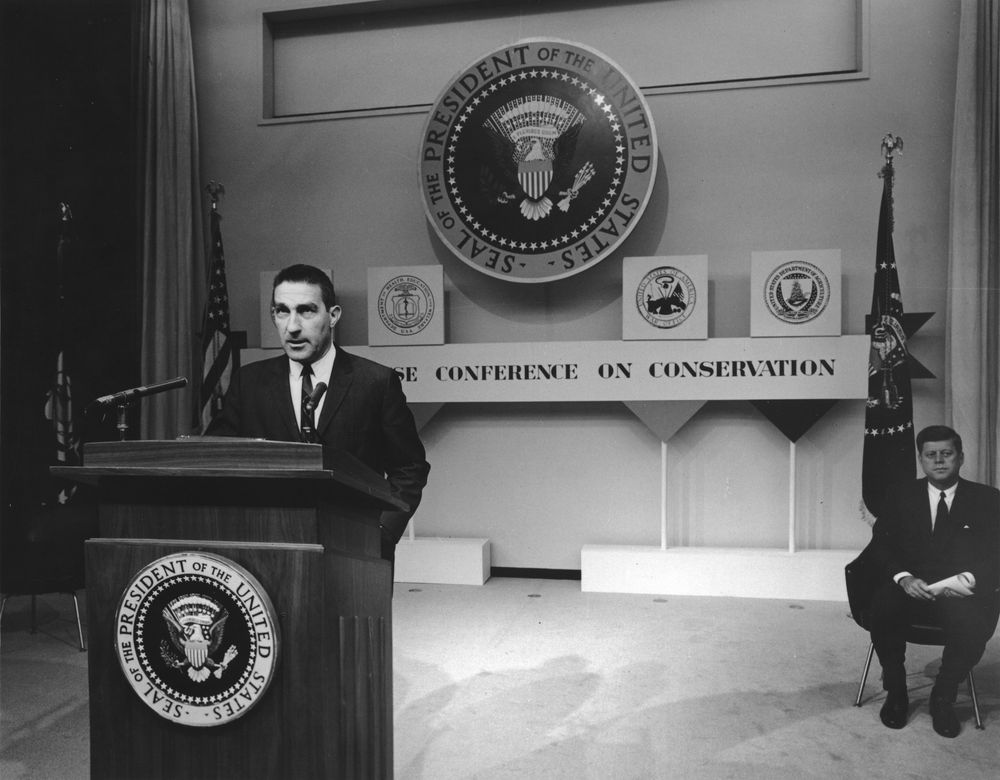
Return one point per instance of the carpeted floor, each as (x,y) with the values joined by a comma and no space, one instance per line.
(534,679)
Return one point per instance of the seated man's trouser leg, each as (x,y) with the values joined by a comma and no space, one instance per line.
(965,626)
(964,622)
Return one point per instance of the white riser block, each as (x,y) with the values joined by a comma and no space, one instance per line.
(816,575)
(443,561)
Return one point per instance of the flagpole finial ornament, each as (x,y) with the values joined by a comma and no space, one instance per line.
(215,189)
(891,145)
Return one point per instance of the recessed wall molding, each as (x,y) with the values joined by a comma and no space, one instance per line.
(387,57)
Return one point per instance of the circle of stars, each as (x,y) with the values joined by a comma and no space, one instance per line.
(587,224)
(144,660)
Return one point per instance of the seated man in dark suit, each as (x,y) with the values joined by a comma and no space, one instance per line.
(363,411)
(929,530)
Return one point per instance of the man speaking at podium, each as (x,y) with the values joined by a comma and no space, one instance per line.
(362,411)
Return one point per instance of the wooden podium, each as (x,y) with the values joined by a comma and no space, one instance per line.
(305,529)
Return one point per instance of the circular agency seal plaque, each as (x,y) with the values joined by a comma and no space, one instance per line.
(796,292)
(196,638)
(406,305)
(537,161)
(665,297)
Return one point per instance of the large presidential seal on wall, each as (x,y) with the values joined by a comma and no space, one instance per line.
(197,639)
(537,161)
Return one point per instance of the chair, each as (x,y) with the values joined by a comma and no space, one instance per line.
(43,553)
(861,580)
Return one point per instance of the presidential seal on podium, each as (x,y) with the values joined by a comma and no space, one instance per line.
(196,638)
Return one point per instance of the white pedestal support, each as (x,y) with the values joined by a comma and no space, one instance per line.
(808,575)
(443,561)
(791,496)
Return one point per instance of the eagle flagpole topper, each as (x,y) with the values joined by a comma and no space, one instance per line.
(537,160)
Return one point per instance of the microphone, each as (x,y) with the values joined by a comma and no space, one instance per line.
(124,396)
(317,393)
(309,406)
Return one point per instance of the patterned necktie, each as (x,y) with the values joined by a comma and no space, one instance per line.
(307,419)
(941,518)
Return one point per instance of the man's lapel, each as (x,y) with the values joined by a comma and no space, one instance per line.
(959,514)
(922,511)
(281,399)
(336,389)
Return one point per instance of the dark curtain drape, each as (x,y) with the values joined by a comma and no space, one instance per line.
(172,244)
(972,341)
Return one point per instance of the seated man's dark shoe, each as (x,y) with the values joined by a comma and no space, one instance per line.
(944,718)
(895,710)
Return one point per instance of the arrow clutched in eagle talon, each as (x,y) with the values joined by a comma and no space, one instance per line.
(585,174)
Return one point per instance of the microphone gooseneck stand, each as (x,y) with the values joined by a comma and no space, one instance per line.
(122,400)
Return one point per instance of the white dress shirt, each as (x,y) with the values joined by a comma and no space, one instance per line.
(321,373)
(933,497)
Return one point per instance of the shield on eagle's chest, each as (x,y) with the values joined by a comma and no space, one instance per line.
(197,653)
(535,177)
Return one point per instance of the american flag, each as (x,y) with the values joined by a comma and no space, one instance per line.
(215,341)
(889,444)
(59,398)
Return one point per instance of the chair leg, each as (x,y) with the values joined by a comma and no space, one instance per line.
(864,674)
(975,702)
(79,625)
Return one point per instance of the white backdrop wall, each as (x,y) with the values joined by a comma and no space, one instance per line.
(781,167)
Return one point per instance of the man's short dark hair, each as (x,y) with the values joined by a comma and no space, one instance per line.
(938,433)
(309,275)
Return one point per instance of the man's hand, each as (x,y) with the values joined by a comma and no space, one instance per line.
(916,588)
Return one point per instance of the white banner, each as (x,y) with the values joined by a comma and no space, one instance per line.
(714,369)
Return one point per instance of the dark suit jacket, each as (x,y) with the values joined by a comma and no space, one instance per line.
(364,413)
(902,539)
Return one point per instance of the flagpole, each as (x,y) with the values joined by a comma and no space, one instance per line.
(217,349)
(59,398)
(888,434)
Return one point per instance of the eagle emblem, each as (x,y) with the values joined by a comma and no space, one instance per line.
(533,141)
(671,299)
(887,353)
(537,161)
(196,624)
